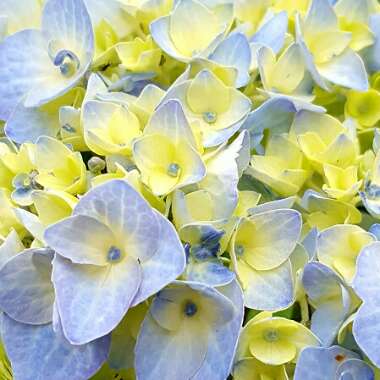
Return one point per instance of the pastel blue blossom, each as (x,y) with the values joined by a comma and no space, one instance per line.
(186,38)
(116,239)
(40,65)
(260,252)
(190,331)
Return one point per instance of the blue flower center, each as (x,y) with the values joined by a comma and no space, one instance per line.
(239,249)
(173,169)
(271,335)
(190,308)
(67,62)
(114,254)
(209,117)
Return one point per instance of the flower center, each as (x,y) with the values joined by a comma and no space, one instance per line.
(67,62)
(114,254)
(271,335)
(190,309)
(173,169)
(209,117)
(239,250)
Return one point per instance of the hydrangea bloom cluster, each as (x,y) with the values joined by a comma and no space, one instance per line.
(189,189)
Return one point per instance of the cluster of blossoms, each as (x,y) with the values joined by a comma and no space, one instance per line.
(189,189)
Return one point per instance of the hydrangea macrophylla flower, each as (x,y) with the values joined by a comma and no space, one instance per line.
(260,249)
(283,167)
(342,184)
(185,39)
(332,299)
(339,246)
(323,212)
(115,237)
(273,340)
(109,128)
(59,168)
(27,299)
(166,154)
(324,140)
(191,331)
(41,65)
(218,110)
(364,106)
(326,51)
(366,327)
(319,363)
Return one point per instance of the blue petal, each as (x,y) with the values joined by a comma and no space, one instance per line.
(210,273)
(272,33)
(92,300)
(235,52)
(27,294)
(371,55)
(275,114)
(366,281)
(346,70)
(318,363)
(375,230)
(22,55)
(36,352)
(270,290)
(119,206)
(166,265)
(80,238)
(28,124)
(331,299)
(355,369)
